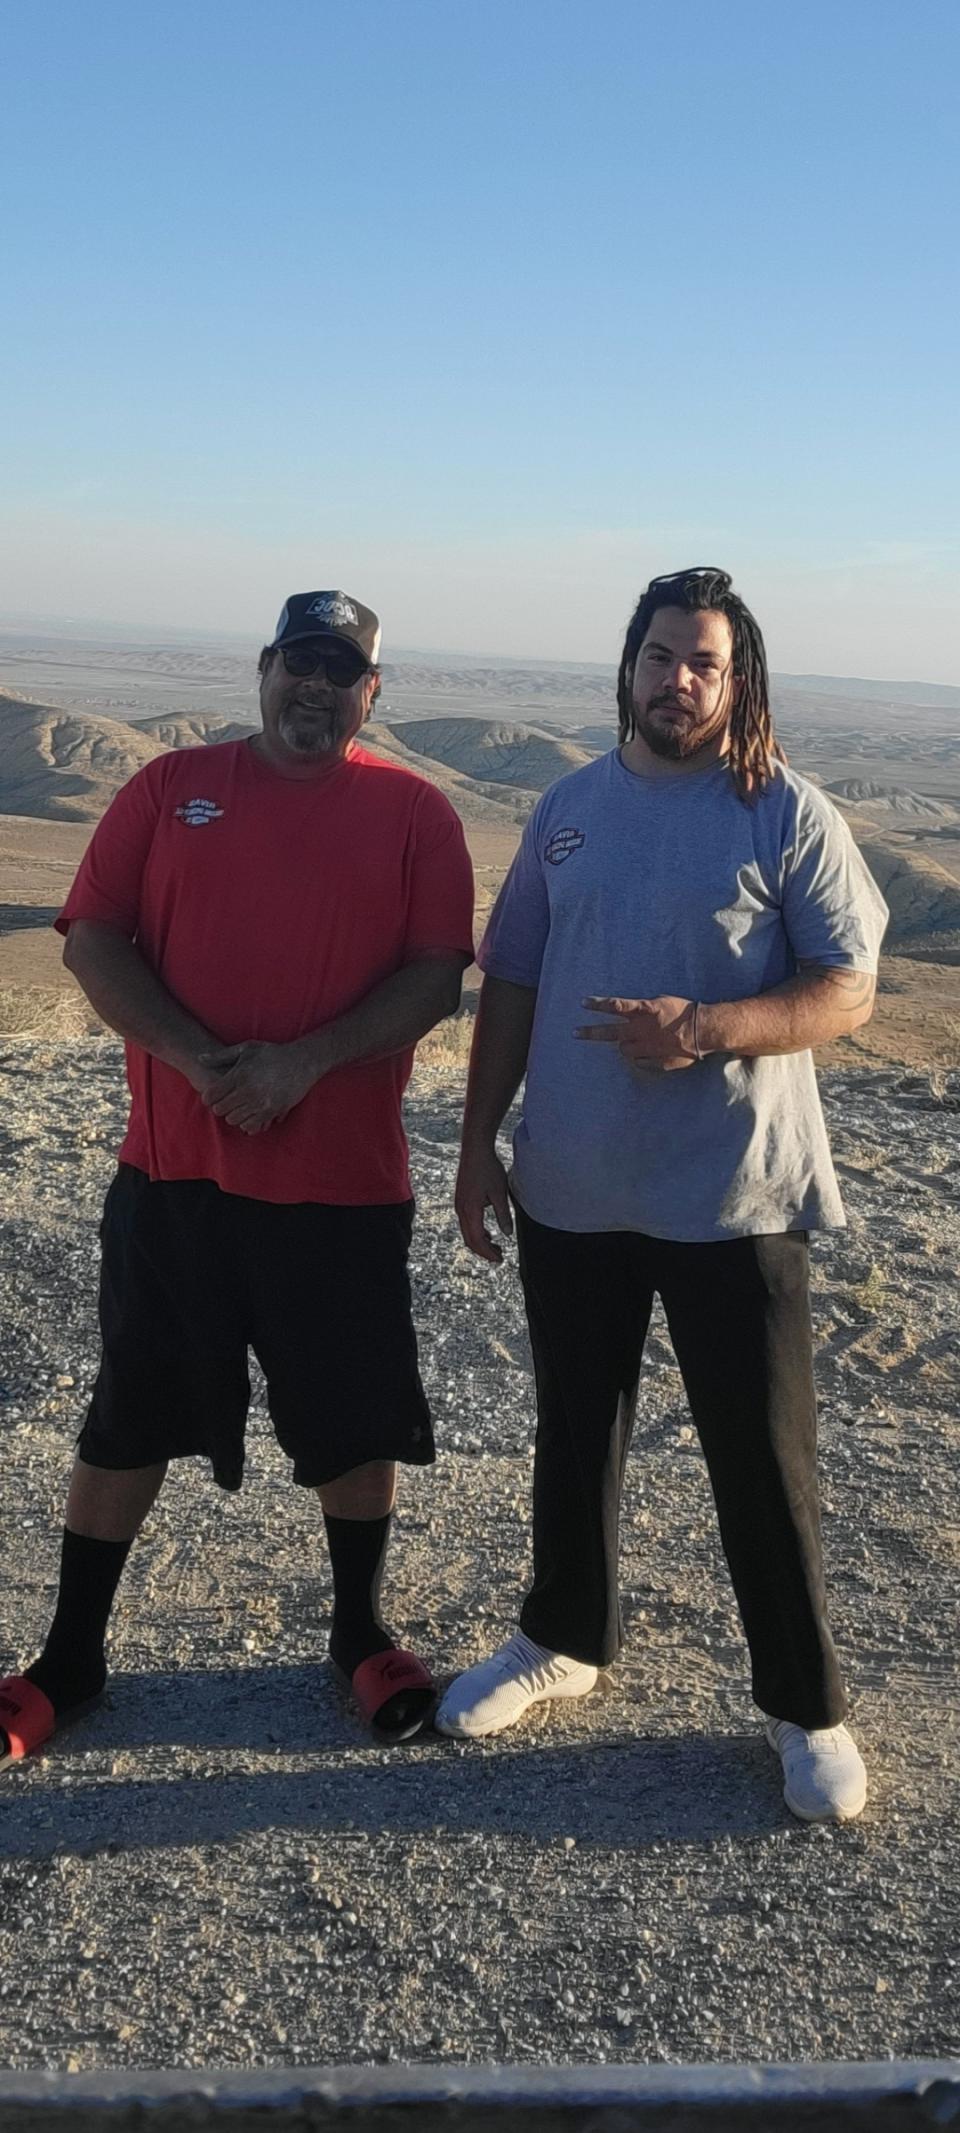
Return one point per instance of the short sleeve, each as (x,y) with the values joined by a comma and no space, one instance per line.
(440,907)
(833,911)
(516,937)
(107,885)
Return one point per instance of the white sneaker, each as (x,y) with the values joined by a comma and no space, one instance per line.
(825,1777)
(496,1693)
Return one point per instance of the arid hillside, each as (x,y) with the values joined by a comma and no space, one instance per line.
(59,768)
(494,752)
(63,765)
(498,804)
(181,730)
(67,765)
(924,898)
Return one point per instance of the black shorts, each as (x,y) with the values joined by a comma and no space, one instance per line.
(192,1277)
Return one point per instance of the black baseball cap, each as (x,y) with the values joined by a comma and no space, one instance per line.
(329,614)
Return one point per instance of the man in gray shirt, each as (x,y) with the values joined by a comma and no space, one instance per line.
(685,918)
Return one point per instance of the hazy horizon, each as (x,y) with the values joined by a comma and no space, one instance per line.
(67,629)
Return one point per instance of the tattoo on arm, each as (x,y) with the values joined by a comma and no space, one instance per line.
(857,986)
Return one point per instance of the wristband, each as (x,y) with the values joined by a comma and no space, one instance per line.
(696,1030)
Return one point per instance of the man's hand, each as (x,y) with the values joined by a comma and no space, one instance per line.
(202,1075)
(253,1085)
(482,1183)
(649,1033)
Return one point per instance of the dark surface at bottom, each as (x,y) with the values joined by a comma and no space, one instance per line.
(831,2099)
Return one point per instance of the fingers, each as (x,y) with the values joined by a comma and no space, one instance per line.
(643,1068)
(229,1087)
(470,1213)
(224,1057)
(499,1199)
(223,1102)
(614,1006)
(244,1109)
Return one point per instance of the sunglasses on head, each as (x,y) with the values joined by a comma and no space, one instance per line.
(341,667)
(675,577)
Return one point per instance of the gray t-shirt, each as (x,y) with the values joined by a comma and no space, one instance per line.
(639,886)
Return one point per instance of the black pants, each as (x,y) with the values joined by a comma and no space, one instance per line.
(739,1319)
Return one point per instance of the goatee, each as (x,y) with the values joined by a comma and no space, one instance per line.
(675,742)
(309,733)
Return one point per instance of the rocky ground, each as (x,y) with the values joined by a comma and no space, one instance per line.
(221,1869)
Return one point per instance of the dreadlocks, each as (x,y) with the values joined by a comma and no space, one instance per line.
(753,747)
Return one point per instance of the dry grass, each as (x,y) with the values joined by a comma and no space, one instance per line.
(449,1044)
(41,1011)
(871,1293)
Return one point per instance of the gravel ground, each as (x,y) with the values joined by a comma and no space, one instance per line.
(221,1869)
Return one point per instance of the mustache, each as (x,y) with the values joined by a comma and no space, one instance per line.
(666,701)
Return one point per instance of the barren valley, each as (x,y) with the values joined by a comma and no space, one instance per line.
(78,716)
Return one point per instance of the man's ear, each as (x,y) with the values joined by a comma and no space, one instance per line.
(737,689)
(372,689)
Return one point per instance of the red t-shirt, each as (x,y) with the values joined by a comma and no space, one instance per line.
(269,906)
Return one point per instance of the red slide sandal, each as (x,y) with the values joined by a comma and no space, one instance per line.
(394,1677)
(28,1719)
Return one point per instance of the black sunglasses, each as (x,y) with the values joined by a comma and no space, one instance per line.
(341,668)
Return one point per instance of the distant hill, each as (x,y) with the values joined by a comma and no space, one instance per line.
(932,694)
(924,898)
(494,752)
(895,803)
(65,765)
(182,730)
(476,801)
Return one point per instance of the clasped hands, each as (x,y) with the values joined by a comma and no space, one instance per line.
(652,1035)
(254,1085)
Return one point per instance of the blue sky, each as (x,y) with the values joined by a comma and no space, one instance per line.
(485,311)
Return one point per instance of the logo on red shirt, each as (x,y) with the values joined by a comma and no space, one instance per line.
(197,812)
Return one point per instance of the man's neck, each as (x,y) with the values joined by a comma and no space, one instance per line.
(637,756)
(300,769)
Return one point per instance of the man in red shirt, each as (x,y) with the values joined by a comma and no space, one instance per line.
(271,924)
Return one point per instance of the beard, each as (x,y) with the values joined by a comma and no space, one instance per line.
(309,732)
(680,736)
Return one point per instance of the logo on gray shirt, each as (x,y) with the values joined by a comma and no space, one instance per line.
(561,844)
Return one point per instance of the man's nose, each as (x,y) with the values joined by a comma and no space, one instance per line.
(681,677)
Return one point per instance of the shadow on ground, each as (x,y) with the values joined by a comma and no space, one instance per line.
(19,918)
(608,1791)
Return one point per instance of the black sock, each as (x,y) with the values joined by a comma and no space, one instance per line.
(72,1665)
(358,1548)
